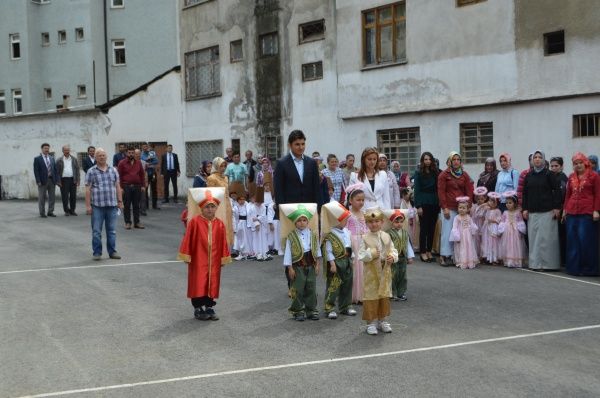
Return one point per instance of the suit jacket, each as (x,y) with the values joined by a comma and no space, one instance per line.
(41,172)
(380,196)
(252,170)
(88,163)
(60,165)
(289,188)
(163,163)
(117,157)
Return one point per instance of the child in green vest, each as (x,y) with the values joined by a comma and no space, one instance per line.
(337,250)
(302,257)
(401,240)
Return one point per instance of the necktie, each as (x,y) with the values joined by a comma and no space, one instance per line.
(169,163)
(48,165)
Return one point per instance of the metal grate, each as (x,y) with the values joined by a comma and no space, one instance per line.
(586,125)
(197,151)
(403,145)
(476,142)
(312,71)
(202,73)
(311,31)
(273,147)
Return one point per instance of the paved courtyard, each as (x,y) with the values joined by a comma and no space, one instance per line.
(70,326)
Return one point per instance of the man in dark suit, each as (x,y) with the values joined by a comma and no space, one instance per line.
(250,165)
(46,177)
(119,155)
(169,167)
(296,177)
(89,161)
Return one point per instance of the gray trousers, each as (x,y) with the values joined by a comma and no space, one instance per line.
(48,188)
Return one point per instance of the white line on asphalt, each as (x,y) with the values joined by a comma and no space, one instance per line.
(21,271)
(317,362)
(559,276)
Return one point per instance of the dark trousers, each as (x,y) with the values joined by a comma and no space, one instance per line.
(152,183)
(171,176)
(399,282)
(582,246)
(339,285)
(203,301)
(304,291)
(68,194)
(427,220)
(131,197)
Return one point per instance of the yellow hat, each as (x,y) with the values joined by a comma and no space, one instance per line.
(200,197)
(289,213)
(332,214)
(373,213)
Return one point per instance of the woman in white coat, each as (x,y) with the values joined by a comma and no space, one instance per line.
(375,182)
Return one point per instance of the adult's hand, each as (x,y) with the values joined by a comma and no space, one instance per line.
(447,214)
(525,215)
(420,211)
(596,216)
(88,210)
(556,215)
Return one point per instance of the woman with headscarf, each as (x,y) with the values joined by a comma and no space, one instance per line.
(594,163)
(217,178)
(488,178)
(582,213)
(394,188)
(203,173)
(541,207)
(507,179)
(265,169)
(452,183)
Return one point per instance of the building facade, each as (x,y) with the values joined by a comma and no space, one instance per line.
(89,50)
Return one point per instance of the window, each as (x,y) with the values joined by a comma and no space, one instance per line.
(17,102)
(202,73)
(47,94)
(62,36)
(118,52)
(196,152)
(273,147)
(236,51)
(45,39)
(312,71)
(403,145)
(81,91)
(586,125)
(79,35)
(117,3)
(311,31)
(15,46)
(189,3)
(2,104)
(40,1)
(384,34)
(235,145)
(269,44)
(476,142)
(554,42)
(460,3)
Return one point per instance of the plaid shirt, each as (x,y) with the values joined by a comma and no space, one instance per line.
(102,186)
(337,179)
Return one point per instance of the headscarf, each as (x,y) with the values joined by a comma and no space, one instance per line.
(538,169)
(397,174)
(594,158)
(266,168)
(202,172)
(216,163)
(576,181)
(485,176)
(458,171)
(508,160)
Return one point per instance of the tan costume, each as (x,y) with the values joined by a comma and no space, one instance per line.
(218,180)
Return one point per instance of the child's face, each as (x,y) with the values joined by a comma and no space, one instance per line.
(267,186)
(343,223)
(241,200)
(358,201)
(397,223)
(481,199)
(374,225)
(406,197)
(492,203)
(463,208)
(302,223)
(510,204)
(233,196)
(209,211)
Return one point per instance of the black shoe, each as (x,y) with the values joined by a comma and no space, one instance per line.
(51,215)
(115,256)
(211,314)
(73,213)
(200,314)
(67,214)
(43,216)
(402,298)
(299,317)
(313,317)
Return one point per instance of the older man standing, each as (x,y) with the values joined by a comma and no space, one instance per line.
(102,198)
(44,169)
(68,180)
(133,183)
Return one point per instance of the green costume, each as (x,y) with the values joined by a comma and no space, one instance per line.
(339,284)
(401,240)
(304,286)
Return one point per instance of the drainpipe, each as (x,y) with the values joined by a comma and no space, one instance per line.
(106,54)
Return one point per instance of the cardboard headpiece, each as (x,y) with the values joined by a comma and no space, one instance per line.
(373,213)
(200,197)
(391,214)
(289,213)
(237,188)
(332,214)
(259,195)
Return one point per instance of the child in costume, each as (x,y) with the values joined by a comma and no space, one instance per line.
(490,239)
(357,228)
(257,216)
(243,238)
(462,234)
(512,228)
(204,248)
(401,240)
(302,257)
(378,253)
(337,250)
(478,215)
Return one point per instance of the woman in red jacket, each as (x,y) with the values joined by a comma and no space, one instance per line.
(582,212)
(452,183)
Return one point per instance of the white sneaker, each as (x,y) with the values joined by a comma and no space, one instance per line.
(332,315)
(239,258)
(385,327)
(371,329)
(349,311)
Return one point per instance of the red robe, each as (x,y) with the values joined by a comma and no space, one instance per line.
(204,248)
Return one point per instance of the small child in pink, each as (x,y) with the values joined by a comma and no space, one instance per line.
(513,251)
(462,234)
(478,215)
(490,239)
(357,227)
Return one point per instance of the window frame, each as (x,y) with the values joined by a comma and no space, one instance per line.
(61,41)
(112,4)
(479,126)
(14,39)
(45,39)
(301,40)
(40,1)
(17,97)
(393,22)
(213,60)
(406,162)
(77,31)
(314,65)
(120,47)
(193,3)
(595,125)
(3,102)
(231,44)
(81,91)
(47,90)
(547,43)
(463,3)
(274,34)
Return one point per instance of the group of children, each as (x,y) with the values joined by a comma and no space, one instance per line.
(483,234)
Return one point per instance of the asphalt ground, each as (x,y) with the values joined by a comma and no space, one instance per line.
(70,326)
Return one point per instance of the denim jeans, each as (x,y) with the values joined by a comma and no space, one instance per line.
(108,216)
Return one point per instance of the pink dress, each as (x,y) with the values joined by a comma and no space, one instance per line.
(357,228)
(413,222)
(512,242)
(463,232)
(478,216)
(490,238)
